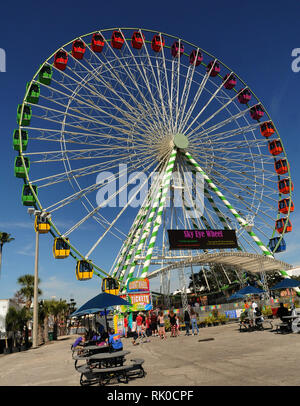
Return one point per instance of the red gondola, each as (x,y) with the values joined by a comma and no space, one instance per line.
(284,186)
(158,42)
(61,59)
(137,40)
(267,129)
(117,40)
(281,166)
(244,96)
(214,66)
(275,147)
(97,43)
(78,49)
(280,223)
(177,49)
(196,57)
(283,206)
(256,112)
(229,81)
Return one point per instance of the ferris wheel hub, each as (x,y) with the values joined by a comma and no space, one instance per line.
(181,141)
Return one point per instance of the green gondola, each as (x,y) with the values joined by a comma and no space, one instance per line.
(45,74)
(16,140)
(28,198)
(19,168)
(34,92)
(26,116)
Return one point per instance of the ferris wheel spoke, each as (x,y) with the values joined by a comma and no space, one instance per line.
(240,114)
(240,219)
(119,214)
(83,192)
(186,91)
(83,83)
(144,76)
(218,137)
(96,209)
(115,75)
(188,114)
(127,121)
(204,107)
(158,86)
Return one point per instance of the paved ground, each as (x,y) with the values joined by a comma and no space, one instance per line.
(260,358)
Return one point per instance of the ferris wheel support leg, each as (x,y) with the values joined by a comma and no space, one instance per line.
(144,235)
(165,188)
(137,223)
(242,221)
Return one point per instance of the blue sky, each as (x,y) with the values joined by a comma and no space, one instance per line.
(254,38)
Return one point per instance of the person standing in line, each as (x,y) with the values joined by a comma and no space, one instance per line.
(173,322)
(177,325)
(194,322)
(187,320)
(153,318)
(161,321)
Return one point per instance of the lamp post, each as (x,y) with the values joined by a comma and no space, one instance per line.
(35,290)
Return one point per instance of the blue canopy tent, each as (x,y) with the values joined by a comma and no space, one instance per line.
(103,301)
(286,283)
(250,290)
(235,296)
(247,290)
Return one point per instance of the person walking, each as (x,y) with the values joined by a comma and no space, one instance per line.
(139,322)
(187,320)
(125,325)
(194,321)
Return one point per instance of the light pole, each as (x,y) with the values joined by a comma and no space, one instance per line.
(36,279)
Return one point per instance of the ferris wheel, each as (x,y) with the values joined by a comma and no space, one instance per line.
(169,118)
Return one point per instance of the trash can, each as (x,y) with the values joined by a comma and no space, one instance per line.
(50,336)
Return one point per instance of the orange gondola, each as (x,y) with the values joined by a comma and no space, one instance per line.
(284,186)
(281,166)
(275,147)
(267,129)
(283,206)
(280,223)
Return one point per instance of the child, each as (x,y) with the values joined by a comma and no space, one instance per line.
(114,340)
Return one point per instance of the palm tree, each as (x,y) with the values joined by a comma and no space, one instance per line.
(58,309)
(4,238)
(27,289)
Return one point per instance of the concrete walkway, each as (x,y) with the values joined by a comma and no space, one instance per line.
(259,358)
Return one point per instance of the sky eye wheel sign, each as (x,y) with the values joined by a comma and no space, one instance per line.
(161,106)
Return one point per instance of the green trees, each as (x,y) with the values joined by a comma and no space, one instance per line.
(4,239)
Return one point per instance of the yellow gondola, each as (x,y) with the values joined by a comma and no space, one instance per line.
(41,225)
(110,285)
(84,270)
(61,249)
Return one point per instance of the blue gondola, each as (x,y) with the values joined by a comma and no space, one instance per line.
(273,242)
